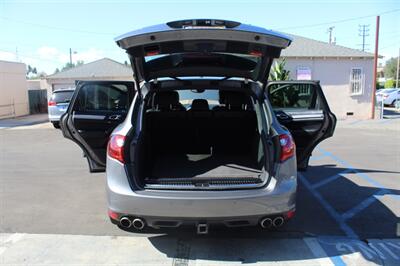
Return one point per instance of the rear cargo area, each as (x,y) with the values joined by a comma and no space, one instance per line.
(201,146)
(203,166)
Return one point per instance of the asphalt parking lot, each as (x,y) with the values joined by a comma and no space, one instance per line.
(350,191)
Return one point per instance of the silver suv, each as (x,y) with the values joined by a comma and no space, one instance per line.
(58,104)
(200,137)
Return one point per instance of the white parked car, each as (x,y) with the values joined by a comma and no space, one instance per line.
(389,96)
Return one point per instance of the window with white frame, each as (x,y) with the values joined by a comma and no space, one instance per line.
(356,81)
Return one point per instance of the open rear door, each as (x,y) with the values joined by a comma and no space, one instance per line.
(96,108)
(301,107)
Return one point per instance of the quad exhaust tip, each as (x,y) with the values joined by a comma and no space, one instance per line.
(266,223)
(125,222)
(278,221)
(138,224)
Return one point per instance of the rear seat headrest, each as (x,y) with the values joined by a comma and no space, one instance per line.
(200,105)
(235,100)
(166,99)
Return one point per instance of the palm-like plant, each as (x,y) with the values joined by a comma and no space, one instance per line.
(278,71)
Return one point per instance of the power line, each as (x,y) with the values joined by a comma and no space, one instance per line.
(339,21)
(56,28)
(363,31)
(28,56)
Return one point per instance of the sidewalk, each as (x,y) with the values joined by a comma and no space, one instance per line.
(48,249)
(374,124)
(23,120)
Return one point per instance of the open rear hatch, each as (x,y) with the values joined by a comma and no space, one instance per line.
(204,47)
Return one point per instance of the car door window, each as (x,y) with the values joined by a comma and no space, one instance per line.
(294,96)
(98,97)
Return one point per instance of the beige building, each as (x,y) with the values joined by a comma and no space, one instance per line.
(346,75)
(103,69)
(13,90)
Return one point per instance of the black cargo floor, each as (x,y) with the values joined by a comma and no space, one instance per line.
(204,165)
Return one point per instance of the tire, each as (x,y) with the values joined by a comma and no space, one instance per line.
(393,103)
(56,124)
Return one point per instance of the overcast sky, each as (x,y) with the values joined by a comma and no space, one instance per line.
(40,33)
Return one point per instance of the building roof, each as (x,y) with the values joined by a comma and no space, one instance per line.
(305,47)
(102,68)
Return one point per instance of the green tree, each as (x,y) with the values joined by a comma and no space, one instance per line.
(390,68)
(72,65)
(278,71)
(390,83)
(67,66)
(31,70)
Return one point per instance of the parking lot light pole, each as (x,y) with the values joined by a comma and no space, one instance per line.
(398,65)
(375,68)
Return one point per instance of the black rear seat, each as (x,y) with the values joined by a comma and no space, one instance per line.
(235,123)
(230,128)
(201,126)
(166,122)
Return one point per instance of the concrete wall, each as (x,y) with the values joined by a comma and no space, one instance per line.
(334,75)
(13,89)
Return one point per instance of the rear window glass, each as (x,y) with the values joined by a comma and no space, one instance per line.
(62,96)
(186,97)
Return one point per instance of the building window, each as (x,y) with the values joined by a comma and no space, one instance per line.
(356,81)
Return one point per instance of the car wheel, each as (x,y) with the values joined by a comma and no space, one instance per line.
(393,103)
(56,124)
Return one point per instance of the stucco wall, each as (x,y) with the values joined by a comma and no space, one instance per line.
(13,90)
(334,75)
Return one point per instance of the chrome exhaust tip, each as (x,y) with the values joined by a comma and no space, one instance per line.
(266,223)
(125,222)
(138,224)
(278,221)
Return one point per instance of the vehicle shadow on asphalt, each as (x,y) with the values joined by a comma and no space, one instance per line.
(356,202)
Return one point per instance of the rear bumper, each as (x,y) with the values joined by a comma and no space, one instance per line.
(54,118)
(210,206)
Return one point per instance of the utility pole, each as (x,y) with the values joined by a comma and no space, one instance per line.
(375,68)
(330,29)
(363,31)
(70,56)
(16,54)
(398,65)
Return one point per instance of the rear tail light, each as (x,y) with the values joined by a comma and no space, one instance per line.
(113,215)
(288,148)
(52,103)
(385,96)
(115,147)
(290,214)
